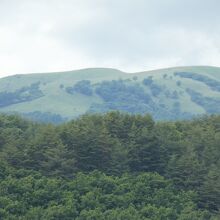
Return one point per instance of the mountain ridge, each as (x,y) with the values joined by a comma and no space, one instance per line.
(111,68)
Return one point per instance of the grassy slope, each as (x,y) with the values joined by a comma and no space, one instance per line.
(59,101)
(170,82)
(56,100)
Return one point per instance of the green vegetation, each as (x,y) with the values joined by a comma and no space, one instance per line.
(155,89)
(83,87)
(110,166)
(119,95)
(96,196)
(213,84)
(148,81)
(125,96)
(74,93)
(211,105)
(24,94)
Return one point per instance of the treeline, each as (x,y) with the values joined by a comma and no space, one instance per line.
(211,83)
(23,94)
(210,104)
(132,96)
(110,166)
(45,117)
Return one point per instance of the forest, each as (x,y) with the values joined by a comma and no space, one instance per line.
(23,94)
(110,166)
(211,83)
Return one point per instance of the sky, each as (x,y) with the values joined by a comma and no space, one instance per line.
(130,35)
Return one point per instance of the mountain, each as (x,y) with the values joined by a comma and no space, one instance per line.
(172,93)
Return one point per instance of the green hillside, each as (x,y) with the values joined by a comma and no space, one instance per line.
(172,93)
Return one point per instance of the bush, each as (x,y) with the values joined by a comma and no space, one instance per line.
(84,87)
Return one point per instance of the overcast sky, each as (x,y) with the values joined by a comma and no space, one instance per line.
(131,35)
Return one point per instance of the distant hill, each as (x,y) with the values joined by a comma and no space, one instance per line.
(172,93)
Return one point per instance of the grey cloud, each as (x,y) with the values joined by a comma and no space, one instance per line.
(130,35)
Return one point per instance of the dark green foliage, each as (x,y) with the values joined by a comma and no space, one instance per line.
(175,95)
(148,81)
(132,98)
(171,95)
(90,147)
(110,166)
(117,89)
(210,190)
(178,83)
(146,154)
(211,105)
(155,89)
(94,196)
(213,84)
(84,87)
(124,97)
(165,76)
(24,94)
(176,108)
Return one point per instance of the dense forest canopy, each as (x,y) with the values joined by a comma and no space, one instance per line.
(110,166)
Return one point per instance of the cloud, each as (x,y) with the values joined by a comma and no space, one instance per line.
(53,35)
